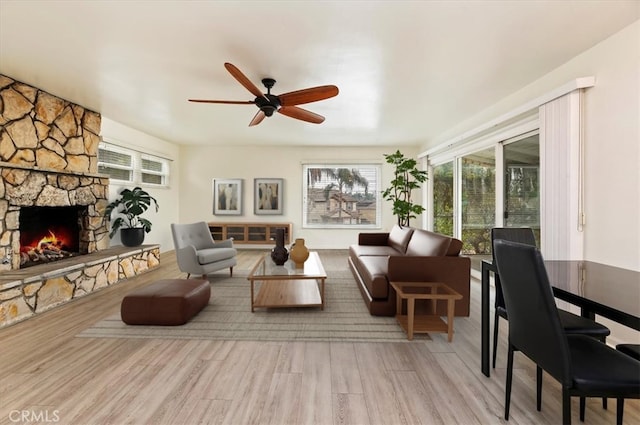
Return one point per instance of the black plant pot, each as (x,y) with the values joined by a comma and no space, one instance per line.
(132,236)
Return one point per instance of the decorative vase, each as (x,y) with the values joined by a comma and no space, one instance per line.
(279,253)
(299,253)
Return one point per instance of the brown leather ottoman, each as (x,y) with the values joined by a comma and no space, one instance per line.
(167,302)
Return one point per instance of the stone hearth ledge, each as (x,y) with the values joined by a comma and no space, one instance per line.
(33,290)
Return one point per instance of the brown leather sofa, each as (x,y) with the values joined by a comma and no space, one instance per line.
(408,255)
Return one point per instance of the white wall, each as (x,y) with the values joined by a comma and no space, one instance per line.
(611,138)
(203,164)
(167,198)
(612,150)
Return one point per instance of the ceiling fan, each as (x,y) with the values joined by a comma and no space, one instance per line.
(284,104)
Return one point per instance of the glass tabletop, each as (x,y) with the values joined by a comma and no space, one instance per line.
(267,269)
(608,286)
(607,290)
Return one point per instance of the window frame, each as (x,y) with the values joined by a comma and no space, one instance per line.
(137,171)
(163,173)
(122,151)
(376,190)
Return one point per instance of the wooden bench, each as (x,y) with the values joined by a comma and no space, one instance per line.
(168,302)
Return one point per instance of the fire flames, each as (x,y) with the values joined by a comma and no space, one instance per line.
(48,248)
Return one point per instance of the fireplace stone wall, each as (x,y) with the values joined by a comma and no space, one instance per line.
(49,158)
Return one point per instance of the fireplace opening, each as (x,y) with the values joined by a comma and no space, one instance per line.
(49,234)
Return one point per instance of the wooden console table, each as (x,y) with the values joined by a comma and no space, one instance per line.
(249,233)
(434,291)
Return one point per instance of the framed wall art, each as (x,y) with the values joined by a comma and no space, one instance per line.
(268,196)
(227,196)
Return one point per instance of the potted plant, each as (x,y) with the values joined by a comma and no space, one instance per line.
(129,206)
(406,178)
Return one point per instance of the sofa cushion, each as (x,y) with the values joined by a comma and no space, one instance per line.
(399,238)
(210,255)
(365,250)
(429,244)
(373,239)
(373,270)
(454,247)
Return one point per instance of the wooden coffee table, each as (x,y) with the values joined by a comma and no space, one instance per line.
(434,291)
(286,286)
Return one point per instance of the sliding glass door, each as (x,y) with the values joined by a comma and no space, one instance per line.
(478,206)
(498,186)
(522,184)
(443,190)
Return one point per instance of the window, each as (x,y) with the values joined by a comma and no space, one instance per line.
(115,162)
(478,206)
(132,166)
(522,184)
(341,196)
(152,170)
(443,188)
(498,186)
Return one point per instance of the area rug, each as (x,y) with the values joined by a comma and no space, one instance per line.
(228,316)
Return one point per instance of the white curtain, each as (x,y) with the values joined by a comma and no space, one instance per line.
(561,160)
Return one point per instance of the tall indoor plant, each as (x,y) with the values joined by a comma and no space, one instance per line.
(129,207)
(406,178)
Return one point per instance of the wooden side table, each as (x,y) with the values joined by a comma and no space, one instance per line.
(434,291)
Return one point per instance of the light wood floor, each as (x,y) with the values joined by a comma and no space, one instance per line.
(49,375)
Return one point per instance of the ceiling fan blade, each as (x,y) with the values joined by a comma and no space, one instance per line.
(242,79)
(229,102)
(313,94)
(257,119)
(301,114)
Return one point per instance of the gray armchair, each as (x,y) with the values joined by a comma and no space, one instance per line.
(198,253)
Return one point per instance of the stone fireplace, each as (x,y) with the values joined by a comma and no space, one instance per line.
(82,195)
(49,159)
(51,204)
(36,191)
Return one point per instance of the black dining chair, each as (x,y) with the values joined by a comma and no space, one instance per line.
(632,350)
(582,365)
(572,323)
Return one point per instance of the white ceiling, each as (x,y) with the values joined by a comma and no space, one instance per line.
(407,70)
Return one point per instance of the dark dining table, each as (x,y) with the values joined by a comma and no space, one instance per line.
(598,289)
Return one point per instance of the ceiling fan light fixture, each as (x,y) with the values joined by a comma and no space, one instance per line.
(268,110)
(268,104)
(285,104)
